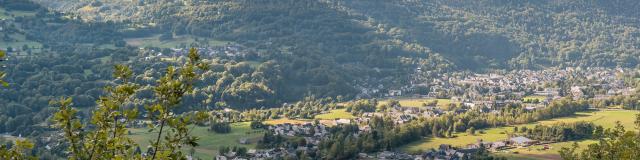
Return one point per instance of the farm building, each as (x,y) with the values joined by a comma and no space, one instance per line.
(522,141)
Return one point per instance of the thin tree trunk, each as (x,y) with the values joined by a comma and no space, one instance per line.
(155,150)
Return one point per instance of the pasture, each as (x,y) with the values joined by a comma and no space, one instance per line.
(605,118)
(538,151)
(335,114)
(18,41)
(283,121)
(209,142)
(4,14)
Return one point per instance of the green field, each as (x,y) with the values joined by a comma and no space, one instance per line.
(606,118)
(18,41)
(336,114)
(4,14)
(538,152)
(209,142)
(284,120)
(418,102)
(153,41)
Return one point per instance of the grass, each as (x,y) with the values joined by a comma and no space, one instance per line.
(153,41)
(460,140)
(605,118)
(537,152)
(417,102)
(209,142)
(20,40)
(4,14)
(335,114)
(283,121)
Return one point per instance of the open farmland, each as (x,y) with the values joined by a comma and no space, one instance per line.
(605,118)
(209,142)
(335,114)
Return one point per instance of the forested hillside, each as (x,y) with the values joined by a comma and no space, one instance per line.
(321,48)
(487,33)
(515,34)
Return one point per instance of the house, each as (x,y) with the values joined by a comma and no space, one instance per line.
(219,157)
(386,155)
(343,121)
(395,93)
(252,151)
(470,105)
(364,128)
(522,141)
(498,145)
(243,141)
(403,119)
(445,147)
(577,92)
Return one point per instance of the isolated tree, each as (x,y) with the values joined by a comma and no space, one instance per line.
(471,131)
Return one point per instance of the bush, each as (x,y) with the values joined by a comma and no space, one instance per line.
(256,125)
(220,127)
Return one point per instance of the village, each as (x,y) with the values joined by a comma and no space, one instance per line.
(453,93)
(229,50)
(314,133)
(466,91)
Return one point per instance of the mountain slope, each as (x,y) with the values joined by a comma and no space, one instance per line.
(472,34)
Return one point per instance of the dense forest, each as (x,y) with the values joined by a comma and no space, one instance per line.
(487,33)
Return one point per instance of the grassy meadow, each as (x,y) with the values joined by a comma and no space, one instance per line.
(335,114)
(18,41)
(283,121)
(209,142)
(605,118)
(4,14)
(537,152)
